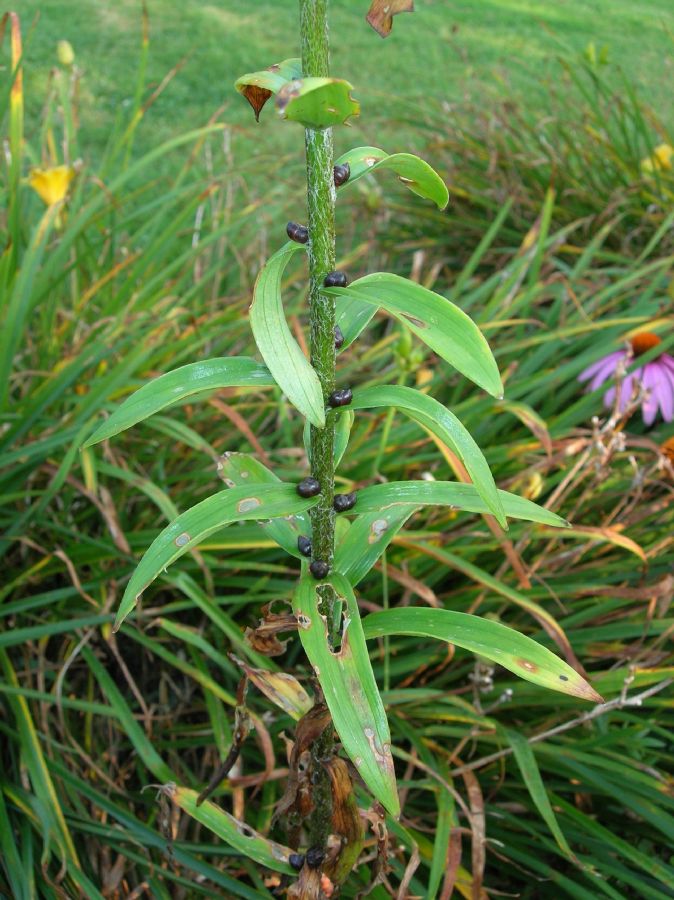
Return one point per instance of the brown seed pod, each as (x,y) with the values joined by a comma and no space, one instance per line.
(304,545)
(344,502)
(341,397)
(319,568)
(308,487)
(297,233)
(341,174)
(336,279)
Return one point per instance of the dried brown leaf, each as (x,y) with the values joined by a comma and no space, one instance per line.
(381,14)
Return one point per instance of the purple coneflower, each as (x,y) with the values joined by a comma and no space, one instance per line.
(656,378)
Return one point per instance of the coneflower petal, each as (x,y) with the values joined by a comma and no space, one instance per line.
(606,372)
(609,362)
(650,381)
(664,391)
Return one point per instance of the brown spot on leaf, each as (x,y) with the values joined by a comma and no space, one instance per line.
(527,664)
(182,539)
(381,14)
(287,93)
(257,97)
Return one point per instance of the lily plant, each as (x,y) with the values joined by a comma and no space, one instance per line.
(343,731)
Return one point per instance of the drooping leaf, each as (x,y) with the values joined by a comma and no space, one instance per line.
(289,366)
(505,646)
(240,469)
(317,102)
(195,378)
(260,501)
(445,425)
(349,686)
(414,172)
(378,497)
(380,15)
(445,328)
(242,837)
(526,760)
(280,688)
(366,539)
(257,87)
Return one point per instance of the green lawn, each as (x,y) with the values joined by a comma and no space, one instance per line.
(469,49)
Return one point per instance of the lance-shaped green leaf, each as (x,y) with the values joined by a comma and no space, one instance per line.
(242,837)
(443,424)
(240,469)
(414,172)
(367,538)
(286,362)
(257,87)
(378,497)
(502,645)
(440,324)
(349,686)
(249,503)
(195,378)
(317,102)
(526,760)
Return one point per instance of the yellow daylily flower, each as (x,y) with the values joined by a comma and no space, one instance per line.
(51,184)
(662,159)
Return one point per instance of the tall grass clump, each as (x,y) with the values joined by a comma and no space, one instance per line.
(145,266)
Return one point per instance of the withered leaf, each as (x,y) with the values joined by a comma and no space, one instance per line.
(309,728)
(346,821)
(263,638)
(282,689)
(257,97)
(381,14)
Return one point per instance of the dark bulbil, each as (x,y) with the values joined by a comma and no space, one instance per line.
(308,487)
(304,545)
(341,174)
(319,568)
(296,860)
(336,279)
(340,398)
(339,337)
(315,857)
(343,502)
(297,233)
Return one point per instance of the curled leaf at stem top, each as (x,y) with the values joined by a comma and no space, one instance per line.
(257,87)
(381,14)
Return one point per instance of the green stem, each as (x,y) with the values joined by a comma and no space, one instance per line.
(321,223)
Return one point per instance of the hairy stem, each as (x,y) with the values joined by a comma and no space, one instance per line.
(321,222)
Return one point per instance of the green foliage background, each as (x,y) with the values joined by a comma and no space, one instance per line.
(157,270)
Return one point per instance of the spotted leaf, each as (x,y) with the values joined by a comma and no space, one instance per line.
(349,685)
(502,645)
(249,503)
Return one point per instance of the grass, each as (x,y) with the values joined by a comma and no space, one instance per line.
(156,271)
(507,49)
